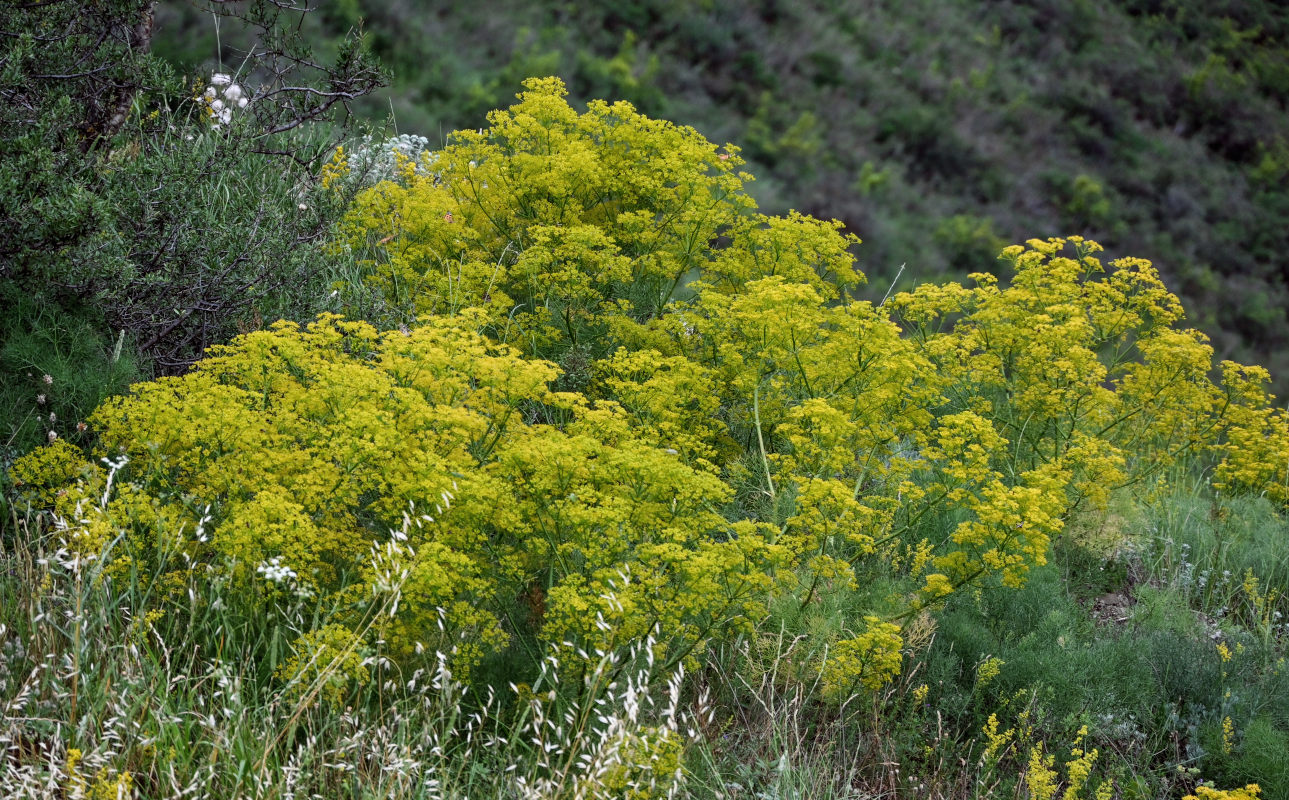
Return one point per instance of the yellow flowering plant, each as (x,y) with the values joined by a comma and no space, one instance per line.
(547,215)
(1249,792)
(1081,367)
(741,427)
(866,661)
(286,458)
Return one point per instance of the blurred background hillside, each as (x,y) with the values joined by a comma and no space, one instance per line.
(938,130)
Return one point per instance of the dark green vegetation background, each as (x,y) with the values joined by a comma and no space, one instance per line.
(937,130)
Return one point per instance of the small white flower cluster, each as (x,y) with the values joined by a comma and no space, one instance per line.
(375,161)
(275,571)
(221,108)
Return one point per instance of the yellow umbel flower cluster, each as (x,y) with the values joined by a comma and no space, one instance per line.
(1042,778)
(1250,792)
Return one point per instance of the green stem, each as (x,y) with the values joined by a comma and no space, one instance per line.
(756,416)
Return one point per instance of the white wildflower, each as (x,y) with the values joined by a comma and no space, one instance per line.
(275,571)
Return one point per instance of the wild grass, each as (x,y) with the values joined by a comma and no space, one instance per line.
(101,700)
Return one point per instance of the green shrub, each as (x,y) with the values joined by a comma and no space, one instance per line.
(180,212)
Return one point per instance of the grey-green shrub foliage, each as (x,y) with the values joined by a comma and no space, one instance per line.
(144,207)
(122,193)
